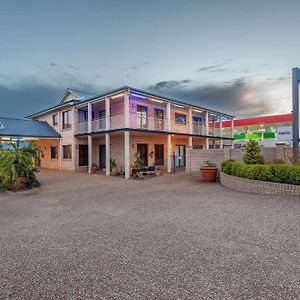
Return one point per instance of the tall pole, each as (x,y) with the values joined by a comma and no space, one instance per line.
(295,115)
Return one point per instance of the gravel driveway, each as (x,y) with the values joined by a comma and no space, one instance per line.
(83,236)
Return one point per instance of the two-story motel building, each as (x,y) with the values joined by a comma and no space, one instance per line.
(122,124)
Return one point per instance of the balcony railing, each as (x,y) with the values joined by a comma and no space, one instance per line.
(145,122)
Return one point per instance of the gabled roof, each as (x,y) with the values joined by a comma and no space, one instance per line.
(26,128)
(72,94)
(81,97)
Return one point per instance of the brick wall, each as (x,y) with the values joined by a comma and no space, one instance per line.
(259,187)
(196,158)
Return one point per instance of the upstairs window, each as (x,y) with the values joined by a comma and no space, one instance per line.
(180,118)
(67,119)
(55,119)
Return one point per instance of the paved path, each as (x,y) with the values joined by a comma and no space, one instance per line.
(83,236)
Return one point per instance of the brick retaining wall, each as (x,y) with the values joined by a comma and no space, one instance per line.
(259,187)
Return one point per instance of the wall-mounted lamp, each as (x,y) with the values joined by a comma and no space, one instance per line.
(117,96)
(156,100)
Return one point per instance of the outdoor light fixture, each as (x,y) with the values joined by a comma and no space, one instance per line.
(156,100)
(198,111)
(178,106)
(138,96)
(117,96)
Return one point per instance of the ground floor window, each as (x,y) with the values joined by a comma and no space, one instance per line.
(67,151)
(54,152)
(159,154)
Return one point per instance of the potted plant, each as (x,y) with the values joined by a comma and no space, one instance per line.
(113,166)
(209,171)
(136,166)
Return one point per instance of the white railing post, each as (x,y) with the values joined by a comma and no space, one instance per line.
(169,127)
(126,109)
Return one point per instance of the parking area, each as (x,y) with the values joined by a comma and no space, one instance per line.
(85,236)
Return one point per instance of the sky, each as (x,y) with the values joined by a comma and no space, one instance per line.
(234,56)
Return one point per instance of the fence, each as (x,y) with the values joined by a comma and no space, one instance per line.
(195,158)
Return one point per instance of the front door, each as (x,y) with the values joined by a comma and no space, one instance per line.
(83,155)
(159,154)
(142,150)
(102,157)
(180,156)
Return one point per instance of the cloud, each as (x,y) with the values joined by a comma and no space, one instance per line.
(237,97)
(53,64)
(74,67)
(213,68)
(68,74)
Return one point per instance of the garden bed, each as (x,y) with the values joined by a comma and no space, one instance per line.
(259,187)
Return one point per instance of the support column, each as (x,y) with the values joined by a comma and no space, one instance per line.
(90,142)
(169,127)
(169,158)
(221,132)
(126,109)
(207,129)
(60,154)
(90,152)
(127,154)
(190,141)
(190,120)
(107,154)
(232,132)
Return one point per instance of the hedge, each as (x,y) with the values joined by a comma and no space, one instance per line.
(279,173)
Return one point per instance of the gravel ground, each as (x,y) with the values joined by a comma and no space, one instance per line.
(83,236)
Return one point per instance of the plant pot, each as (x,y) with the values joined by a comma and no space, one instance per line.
(209,174)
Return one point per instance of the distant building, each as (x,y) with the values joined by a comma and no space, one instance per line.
(267,130)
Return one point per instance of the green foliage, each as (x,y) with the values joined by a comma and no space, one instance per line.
(252,153)
(280,173)
(209,163)
(137,164)
(18,167)
(112,163)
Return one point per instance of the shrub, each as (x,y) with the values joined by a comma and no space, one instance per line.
(252,153)
(18,167)
(273,172)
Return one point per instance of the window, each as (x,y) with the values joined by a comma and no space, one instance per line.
(67,119)
(54,153)
(197,120)
(180,118)
(142,116)
(67,151)
(54,119)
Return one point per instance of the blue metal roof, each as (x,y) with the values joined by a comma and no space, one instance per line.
(26,128)
(82,96)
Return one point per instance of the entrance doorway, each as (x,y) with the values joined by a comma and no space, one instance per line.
(142,149)
(179,156)
(159,154)
(83,155)
(102,157)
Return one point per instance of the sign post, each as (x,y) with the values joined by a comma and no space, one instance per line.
(295,79)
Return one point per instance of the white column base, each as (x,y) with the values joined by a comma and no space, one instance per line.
(127,154)
(90,153)
(107,154)
(207,143)
(190,141)
(169,158)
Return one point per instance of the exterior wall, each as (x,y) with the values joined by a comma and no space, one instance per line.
(259,187)
(67,135)
(46,161)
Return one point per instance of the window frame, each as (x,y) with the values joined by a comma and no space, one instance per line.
(56,149)
(68,125)
(64,147)
(55,116)
(177,122)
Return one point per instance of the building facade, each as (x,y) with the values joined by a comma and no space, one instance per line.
(125,124)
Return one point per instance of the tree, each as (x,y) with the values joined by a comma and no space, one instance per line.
(252,153)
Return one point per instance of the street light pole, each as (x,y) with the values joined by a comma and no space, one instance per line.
(295,86)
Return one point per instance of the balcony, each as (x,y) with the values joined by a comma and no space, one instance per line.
(145,122)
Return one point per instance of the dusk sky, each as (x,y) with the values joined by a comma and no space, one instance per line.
(234,56)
